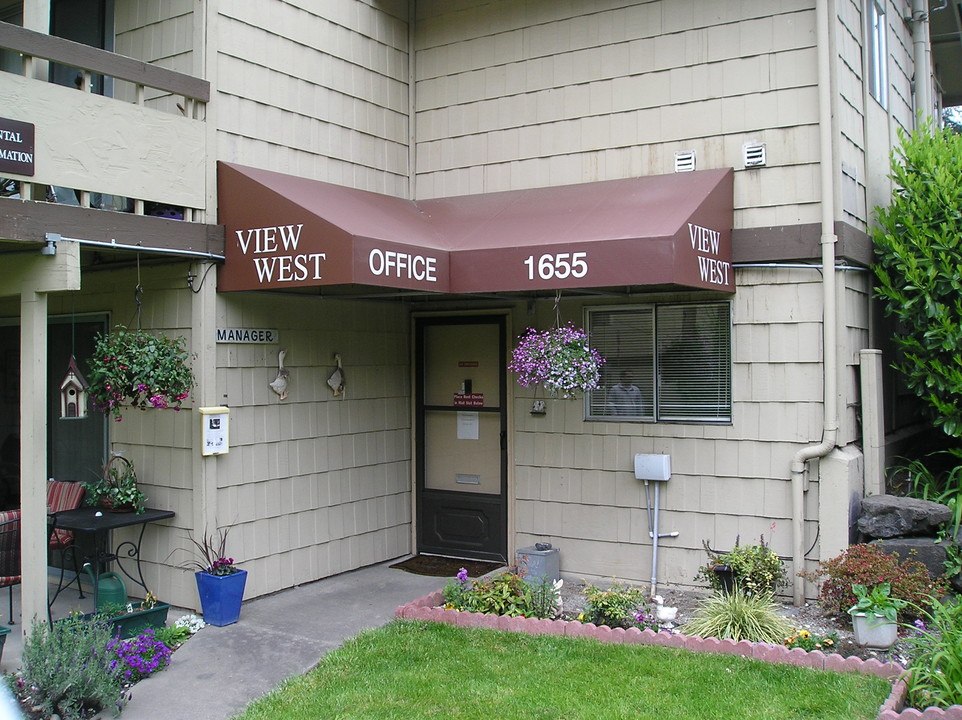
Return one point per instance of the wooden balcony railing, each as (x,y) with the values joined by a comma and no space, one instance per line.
(33,45)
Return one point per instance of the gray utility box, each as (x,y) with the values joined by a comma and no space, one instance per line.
(536,564)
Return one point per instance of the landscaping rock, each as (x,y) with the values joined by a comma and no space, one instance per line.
(926,550)
(889,516)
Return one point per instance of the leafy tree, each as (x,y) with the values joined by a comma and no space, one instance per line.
(952,117)
(918,245)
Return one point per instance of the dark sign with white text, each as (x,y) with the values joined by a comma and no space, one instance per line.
(16,147)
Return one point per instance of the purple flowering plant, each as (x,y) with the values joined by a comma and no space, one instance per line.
(646,620)
(559,359)
(140,369)
(457,590)
(212,555)
(139,657)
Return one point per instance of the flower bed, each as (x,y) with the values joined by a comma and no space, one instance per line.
(428,608)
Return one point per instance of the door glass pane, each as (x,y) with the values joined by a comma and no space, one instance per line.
(76,446)
(461,360)
(463,453)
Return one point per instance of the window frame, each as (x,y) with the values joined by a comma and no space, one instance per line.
(651,377)
(877,52)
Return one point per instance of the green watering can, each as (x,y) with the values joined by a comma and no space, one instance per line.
(110,588)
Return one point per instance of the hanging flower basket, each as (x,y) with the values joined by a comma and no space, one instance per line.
(559,359)
(140,369)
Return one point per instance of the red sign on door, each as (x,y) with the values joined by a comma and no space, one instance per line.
(469,400)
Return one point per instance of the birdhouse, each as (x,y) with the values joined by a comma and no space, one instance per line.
(73,392)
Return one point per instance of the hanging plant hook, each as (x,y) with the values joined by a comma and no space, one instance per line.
(138,293)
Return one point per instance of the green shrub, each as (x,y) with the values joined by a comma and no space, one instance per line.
(172,636)
(935,649)
(614,607)
(503,594)
(867,565)
(756,568)
(69,670)
(918,243)
(738,616)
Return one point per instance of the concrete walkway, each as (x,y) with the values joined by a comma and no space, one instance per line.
(216,673)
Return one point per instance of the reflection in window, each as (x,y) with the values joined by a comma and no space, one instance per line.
(663,362)
(877,53)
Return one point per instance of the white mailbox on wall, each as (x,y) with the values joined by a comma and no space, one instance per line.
(215,430)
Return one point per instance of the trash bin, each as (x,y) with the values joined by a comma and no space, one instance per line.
(537,564)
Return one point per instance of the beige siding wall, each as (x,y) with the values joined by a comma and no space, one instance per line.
(574,480)
(160,443)
(162,34)
(867,129)
(854,295)
(513,95)
(314,89)
(315,485)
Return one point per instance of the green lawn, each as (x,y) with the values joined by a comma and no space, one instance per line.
(410,670)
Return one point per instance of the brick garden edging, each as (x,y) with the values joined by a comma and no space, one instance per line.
(428,608)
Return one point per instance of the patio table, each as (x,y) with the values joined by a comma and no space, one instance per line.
(100,523)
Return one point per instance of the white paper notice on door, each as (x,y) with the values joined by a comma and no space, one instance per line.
(468,426)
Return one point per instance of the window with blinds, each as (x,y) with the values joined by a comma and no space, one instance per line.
(662,362)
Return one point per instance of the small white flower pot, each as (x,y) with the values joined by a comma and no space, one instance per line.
(874,631)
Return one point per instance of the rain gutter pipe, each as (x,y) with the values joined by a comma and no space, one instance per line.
(829,353)
(920,56)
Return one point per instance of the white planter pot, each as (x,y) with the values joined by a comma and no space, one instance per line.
(874,631)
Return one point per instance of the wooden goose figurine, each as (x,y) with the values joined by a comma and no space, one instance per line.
(279,384)
(336,381)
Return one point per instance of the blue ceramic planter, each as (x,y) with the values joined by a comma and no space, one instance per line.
(221,596)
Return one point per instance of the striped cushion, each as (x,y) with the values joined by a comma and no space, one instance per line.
(63,496)
(9,548)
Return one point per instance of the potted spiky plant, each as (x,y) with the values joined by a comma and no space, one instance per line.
(220,583)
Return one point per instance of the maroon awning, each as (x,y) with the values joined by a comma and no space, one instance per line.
(283,231)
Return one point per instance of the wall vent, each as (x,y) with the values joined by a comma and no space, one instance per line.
(685,161)
(754,154)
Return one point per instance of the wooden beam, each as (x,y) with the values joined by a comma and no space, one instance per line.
(798,243)
(31,221)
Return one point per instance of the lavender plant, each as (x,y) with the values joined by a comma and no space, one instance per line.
(69,670)
(559,359)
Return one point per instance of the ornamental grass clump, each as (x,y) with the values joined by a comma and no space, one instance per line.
(738,616)
(559,359)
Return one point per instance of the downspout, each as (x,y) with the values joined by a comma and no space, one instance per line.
(920,56)
(828,240)
(412,102)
